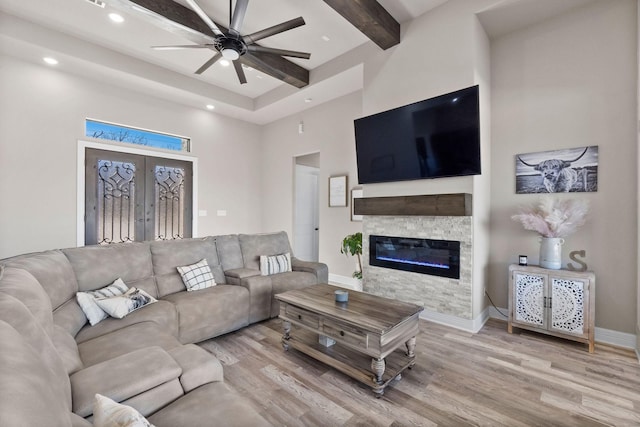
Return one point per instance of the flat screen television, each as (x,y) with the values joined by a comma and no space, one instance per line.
(434,138)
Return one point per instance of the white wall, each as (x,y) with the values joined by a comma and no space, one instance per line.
(570,81)
(43,113)
(328,129)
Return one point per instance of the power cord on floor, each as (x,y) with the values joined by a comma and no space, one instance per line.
(494,306)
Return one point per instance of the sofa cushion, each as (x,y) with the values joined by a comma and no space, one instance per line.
(17,315)
(198,366)
(30,393)
(274,264)
(210,312)
(24,287)
(123,341)
(122,377)
(210,404)
(197,276)
(162,313)
(108,413)
(254,245)
(54,272)
(229,251)
(87,300)
(119,306)
(67,349)
(70,317)
(100,265)
(168,255)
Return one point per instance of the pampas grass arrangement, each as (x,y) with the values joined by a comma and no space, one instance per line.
(554,218)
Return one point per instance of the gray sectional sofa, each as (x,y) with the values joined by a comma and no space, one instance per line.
(53,362)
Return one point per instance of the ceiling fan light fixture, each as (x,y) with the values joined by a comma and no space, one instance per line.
(230,54)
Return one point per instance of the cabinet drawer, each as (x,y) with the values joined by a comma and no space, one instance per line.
(302,316)
(345,333)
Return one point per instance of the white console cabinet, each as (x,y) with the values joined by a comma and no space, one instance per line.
(554,302)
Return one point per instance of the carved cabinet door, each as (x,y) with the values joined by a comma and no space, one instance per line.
(567,305)
(529,299)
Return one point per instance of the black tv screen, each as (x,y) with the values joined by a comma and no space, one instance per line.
(437,137)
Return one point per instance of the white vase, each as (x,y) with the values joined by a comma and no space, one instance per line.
(551,252)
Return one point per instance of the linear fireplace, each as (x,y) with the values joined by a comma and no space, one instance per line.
(435,257)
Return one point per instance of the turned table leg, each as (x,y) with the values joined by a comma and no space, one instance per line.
(285,338)
(378,366)
(411,346)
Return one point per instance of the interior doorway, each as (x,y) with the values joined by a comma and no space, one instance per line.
(306,217)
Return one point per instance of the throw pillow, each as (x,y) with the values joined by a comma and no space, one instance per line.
(121,305)
(275,264)
(107,413)
(87,300)
(197,276)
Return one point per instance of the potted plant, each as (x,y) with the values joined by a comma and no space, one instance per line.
(352,246)
(553,219)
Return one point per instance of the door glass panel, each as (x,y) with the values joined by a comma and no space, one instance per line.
(116,202)
(169,202)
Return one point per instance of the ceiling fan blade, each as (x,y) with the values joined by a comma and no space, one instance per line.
(183,46)
(238,17)
(208,64)
(197,9)
(239,71)
(281,52)
(272,31)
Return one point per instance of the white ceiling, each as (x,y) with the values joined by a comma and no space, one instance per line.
(87,42)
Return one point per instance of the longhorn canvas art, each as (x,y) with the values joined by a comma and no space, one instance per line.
(558,171)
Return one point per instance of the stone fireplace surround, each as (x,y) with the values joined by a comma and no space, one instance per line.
(451,297)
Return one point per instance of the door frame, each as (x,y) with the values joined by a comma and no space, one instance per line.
(80,184)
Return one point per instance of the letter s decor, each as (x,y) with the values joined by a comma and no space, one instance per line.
(582,253)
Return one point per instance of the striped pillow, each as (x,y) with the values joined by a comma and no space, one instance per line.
(275,264)
(197,276)
(87,300)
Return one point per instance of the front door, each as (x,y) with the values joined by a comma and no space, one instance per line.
(131,197)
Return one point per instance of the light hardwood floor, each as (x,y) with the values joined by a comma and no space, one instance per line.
(490,378)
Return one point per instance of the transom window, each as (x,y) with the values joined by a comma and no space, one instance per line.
(114,132)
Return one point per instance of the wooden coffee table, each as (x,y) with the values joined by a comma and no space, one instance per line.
(368,332)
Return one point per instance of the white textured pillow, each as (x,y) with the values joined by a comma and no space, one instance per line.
(107,413)
(121,305)
(275,264)
(197,276)
(87,300)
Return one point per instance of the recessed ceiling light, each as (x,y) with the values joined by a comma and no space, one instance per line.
(210,107)
(49,60)
(225,63)
(325,38)
(308,100)
(116,18)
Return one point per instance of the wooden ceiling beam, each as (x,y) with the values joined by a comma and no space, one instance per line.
(184,22)
(371,19)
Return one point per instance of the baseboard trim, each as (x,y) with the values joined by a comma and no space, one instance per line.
(468,325)
(602,335)
(345,282)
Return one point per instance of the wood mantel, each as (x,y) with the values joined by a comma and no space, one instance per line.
(458,204)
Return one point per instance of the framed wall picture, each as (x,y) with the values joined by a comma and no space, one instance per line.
(356,193)
(338,191)
(558,171)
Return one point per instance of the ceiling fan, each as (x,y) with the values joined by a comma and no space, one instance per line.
(231,45)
